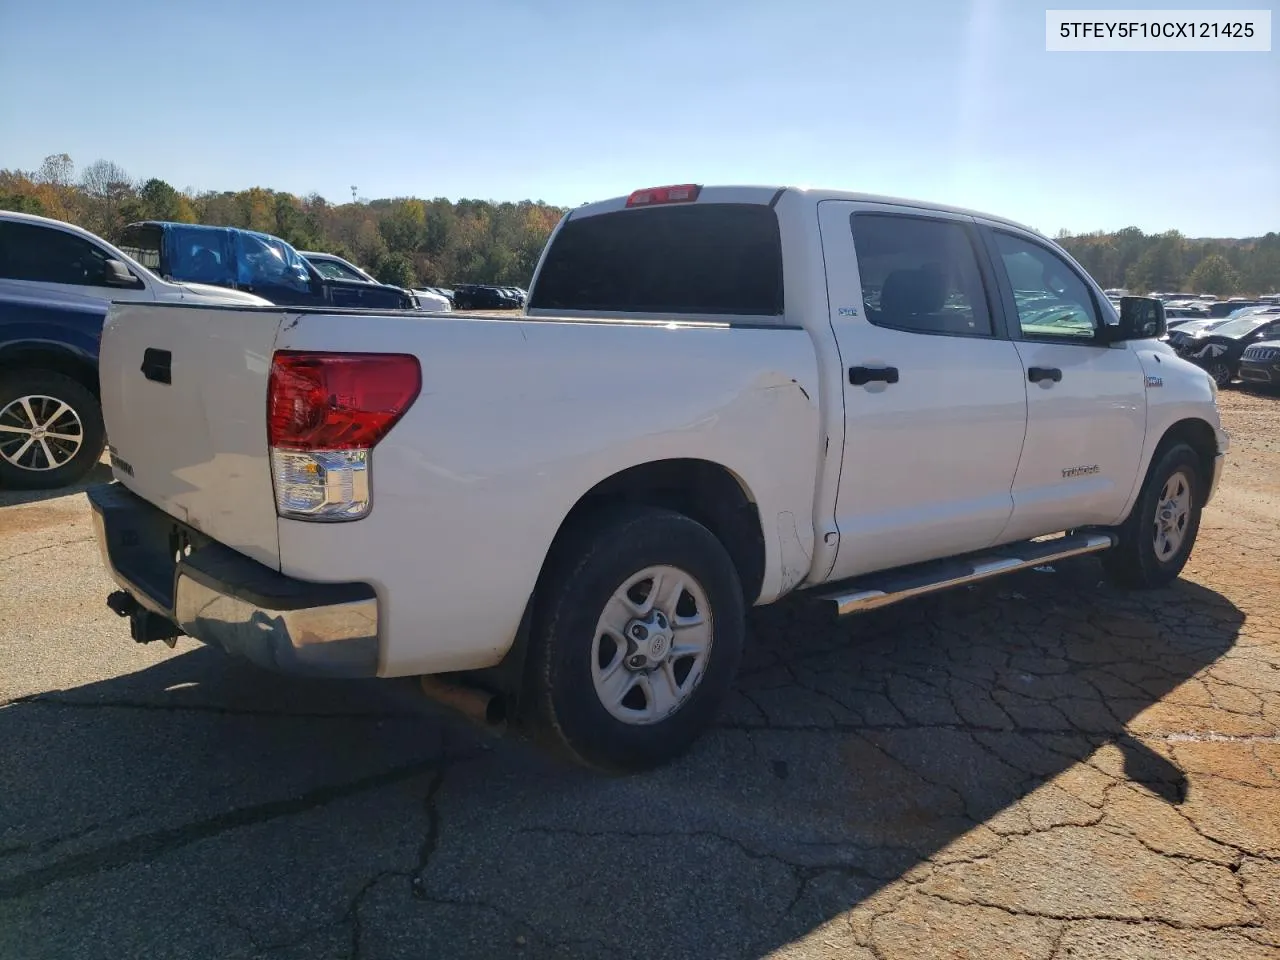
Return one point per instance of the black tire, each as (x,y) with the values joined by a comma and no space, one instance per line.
(1221,372)
(1134,562)
(30,471)
(595,560)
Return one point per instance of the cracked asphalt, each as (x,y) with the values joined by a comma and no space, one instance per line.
(1038,767)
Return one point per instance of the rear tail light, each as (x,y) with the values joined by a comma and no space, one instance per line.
(325,412)
(652,197)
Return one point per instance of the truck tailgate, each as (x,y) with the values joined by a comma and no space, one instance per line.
(184,397)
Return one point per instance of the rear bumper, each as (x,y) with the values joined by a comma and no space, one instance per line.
(224,599)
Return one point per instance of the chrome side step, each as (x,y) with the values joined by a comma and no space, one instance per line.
(881,589)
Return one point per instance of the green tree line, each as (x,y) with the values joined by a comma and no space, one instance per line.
(405,240)
(410,241)
(1170,262)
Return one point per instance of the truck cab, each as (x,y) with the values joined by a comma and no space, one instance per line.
(254,262)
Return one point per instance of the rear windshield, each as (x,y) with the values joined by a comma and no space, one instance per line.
(722,258)
(143,244)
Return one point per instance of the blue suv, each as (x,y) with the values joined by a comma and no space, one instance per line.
(255,262)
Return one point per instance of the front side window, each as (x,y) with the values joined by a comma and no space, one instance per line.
(200,256)
(45,254)
(267,262)
(1052,300)
(333,270)
(920,275)
(708,258)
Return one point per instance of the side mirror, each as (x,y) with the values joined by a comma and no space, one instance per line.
(1141,318)
(118,275)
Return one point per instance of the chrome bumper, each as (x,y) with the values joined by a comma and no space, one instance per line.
(224,599)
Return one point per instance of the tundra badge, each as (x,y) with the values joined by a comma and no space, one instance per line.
(1071,472)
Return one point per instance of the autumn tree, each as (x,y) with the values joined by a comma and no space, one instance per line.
(442,242)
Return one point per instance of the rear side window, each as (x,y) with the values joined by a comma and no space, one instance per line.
(920,275)
(720,258)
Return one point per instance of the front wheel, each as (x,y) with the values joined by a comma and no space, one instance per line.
(1156,539)
(637,639)
(1221,373)
(51,431)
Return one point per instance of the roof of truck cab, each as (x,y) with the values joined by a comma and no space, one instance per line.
(770,194)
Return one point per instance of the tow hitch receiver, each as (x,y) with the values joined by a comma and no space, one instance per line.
(144,626)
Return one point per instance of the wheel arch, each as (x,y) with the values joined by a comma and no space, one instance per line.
(33,356)
(1196,433)
(703,490)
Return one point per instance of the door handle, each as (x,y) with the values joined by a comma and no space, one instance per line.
(861,376)
(157,365)
(1036,374)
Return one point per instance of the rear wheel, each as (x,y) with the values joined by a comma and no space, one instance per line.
(1156,539)
(637,640)
(51,431)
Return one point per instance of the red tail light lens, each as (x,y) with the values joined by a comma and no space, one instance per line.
(682,193)
(338,401)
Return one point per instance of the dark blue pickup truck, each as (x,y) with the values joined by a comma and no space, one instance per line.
(255,262)
(51,431)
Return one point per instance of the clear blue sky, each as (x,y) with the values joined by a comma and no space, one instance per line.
(567,101)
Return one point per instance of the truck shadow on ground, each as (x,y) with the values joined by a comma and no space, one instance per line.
(100,473)
(205,808)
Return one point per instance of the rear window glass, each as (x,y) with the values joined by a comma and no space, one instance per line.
(702,259)
(143,244)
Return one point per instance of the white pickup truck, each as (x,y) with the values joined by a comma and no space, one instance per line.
(717,396)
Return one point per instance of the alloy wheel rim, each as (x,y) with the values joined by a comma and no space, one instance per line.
(39,433)
(651,646)
(1173,516)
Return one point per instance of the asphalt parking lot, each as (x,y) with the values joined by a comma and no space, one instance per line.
(1038,767)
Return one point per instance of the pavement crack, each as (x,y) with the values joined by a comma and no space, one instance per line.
(47,546)
(1078,917)
(162,842)
(431,840)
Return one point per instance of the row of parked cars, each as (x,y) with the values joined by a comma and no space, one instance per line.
(1233,339)
(1244,345)
(57,280)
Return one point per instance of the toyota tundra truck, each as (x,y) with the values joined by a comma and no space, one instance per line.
(716,397)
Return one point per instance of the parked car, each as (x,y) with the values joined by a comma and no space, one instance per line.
(716,397)
(1183,330)
(1226,308)
(256,262)
(334,267)
(441,292)
(1219,351)
(56,281)
(476,296)
(57,261)
(1260,364)
(51,430)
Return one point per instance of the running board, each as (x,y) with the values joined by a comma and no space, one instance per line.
(881,589)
